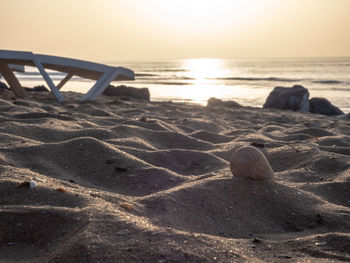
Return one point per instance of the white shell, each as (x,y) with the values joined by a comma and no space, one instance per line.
(32,184)
(250,162)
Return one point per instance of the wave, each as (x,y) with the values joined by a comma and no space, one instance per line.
(276,79)
(327,82)
(145,75)
(164,78)
(174,83)
(166,83)
(165,70)
(333,89)
(260,79)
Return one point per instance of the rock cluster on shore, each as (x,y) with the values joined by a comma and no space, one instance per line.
(296,98)
(214,102)
(323,106)
(137,93)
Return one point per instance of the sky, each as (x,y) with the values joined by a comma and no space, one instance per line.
(120,30)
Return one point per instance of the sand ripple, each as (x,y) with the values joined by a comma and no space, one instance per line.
(170,163)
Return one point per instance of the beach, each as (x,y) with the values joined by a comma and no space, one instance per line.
(246,81)
(126,180)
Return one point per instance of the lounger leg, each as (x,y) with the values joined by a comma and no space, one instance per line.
(12,80)
(48,80)
(100,85)
(64,81)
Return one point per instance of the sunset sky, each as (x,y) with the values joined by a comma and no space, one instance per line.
(112,30)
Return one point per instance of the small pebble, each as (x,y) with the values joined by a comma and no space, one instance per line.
(122,233)
(28,184)
(321,244)
(127,206)
(61,189)
(143,118)
(256,240)
(120,169)
(110,161)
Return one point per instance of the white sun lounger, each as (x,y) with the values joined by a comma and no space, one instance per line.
(103,74)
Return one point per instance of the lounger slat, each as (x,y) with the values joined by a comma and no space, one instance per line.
(48,80)
(13,82)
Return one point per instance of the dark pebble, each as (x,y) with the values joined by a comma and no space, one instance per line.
(110,161)
(120,169)
(256,240)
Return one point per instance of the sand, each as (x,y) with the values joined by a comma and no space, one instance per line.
(122,180)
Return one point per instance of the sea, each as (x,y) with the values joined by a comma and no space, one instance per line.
(246,81)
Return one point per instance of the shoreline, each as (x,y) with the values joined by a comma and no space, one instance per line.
(247,82)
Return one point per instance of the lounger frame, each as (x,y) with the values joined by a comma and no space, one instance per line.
(103,74)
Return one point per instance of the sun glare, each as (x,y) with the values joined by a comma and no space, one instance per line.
(202,73)
(205,68)
(204,15)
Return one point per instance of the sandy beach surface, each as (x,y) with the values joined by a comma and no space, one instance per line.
(123,180)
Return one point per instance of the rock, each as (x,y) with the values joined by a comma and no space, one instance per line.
(37,88)
(295,98)
(137,93)
(323,106)
(40,88)
(3,86)
(214,102)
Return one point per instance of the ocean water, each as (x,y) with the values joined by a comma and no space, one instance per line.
(246,81)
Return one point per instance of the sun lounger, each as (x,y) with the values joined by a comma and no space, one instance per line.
(103,74)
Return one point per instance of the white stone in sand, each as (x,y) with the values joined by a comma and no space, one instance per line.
(32,184)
